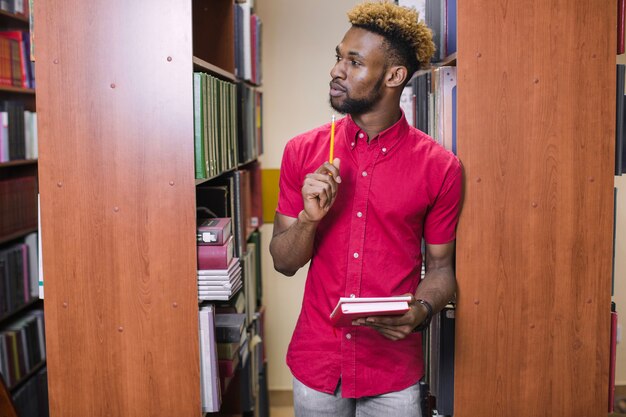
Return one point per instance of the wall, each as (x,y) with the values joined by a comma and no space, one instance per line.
(299,42)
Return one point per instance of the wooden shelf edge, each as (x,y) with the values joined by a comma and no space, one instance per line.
(450,60)
(213,69)
(16,17)
(18,163)
(20,90)
(15,313)
(15,235)
(26,377)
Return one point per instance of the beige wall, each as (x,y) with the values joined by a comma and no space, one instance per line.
(299,40)
(298,50)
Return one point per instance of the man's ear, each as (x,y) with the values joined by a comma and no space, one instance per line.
(396,76)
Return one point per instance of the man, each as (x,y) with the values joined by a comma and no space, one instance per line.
(360,221)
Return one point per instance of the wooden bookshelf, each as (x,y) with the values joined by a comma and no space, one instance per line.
(117,153)
(536,133)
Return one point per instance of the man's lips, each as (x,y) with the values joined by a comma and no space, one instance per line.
(336,89)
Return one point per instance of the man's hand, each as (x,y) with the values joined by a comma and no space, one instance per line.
(396,327)
(319,191)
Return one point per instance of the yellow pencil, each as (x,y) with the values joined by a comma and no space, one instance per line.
(332,140)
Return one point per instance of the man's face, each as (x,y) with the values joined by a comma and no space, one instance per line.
(358,74)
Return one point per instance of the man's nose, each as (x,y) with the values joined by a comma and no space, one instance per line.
(337,71)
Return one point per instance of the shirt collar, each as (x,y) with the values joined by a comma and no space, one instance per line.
(387,139)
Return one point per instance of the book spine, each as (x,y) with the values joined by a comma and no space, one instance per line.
(215,257)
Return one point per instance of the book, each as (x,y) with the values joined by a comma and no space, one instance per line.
(619,117)
(227,350)
(229,327)
(348,309)
(216,257)
(220,274)
(209,381)
(214,231)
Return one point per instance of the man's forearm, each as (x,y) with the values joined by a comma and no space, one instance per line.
(292,248)
(437,287)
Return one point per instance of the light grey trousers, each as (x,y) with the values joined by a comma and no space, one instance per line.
(308,402)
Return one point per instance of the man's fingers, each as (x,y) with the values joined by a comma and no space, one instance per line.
(318,182)
(330,169)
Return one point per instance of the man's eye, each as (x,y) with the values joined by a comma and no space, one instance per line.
(355,63)
(337,58)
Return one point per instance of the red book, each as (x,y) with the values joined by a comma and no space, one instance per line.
(228,367)
(214,231)
(348,309)
(216,257)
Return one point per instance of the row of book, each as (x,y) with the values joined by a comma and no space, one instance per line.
(440,17)
(231,343)
(232,360)
(17,7)
(22,347)
(215,125)
(429,103)
(16,67)
(18,205)
(31,399)
(227,125)
(620,121)
(247,43)
(18,132)
(18,275)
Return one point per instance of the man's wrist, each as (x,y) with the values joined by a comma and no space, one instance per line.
(305,220)
(429,315)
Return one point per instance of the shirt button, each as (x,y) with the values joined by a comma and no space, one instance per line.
(361,135)
(351,295)
(384,150)
(356,255)
(348,336)
(359,214)
(352,144)
(364,173)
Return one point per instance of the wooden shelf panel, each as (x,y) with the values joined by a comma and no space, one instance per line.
(6,16)
(26,377)
(201,64)
(20,162)
(15,235)
(15,313)
(19,90)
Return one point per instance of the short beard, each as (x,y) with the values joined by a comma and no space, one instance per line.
(360,106)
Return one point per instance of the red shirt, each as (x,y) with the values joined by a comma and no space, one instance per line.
(394,190)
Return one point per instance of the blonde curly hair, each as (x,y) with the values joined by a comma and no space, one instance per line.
(412,39)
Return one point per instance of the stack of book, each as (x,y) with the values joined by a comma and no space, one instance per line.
(219,271)
(219,284)
(232,345)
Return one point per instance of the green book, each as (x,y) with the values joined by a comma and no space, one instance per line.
(198,128)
